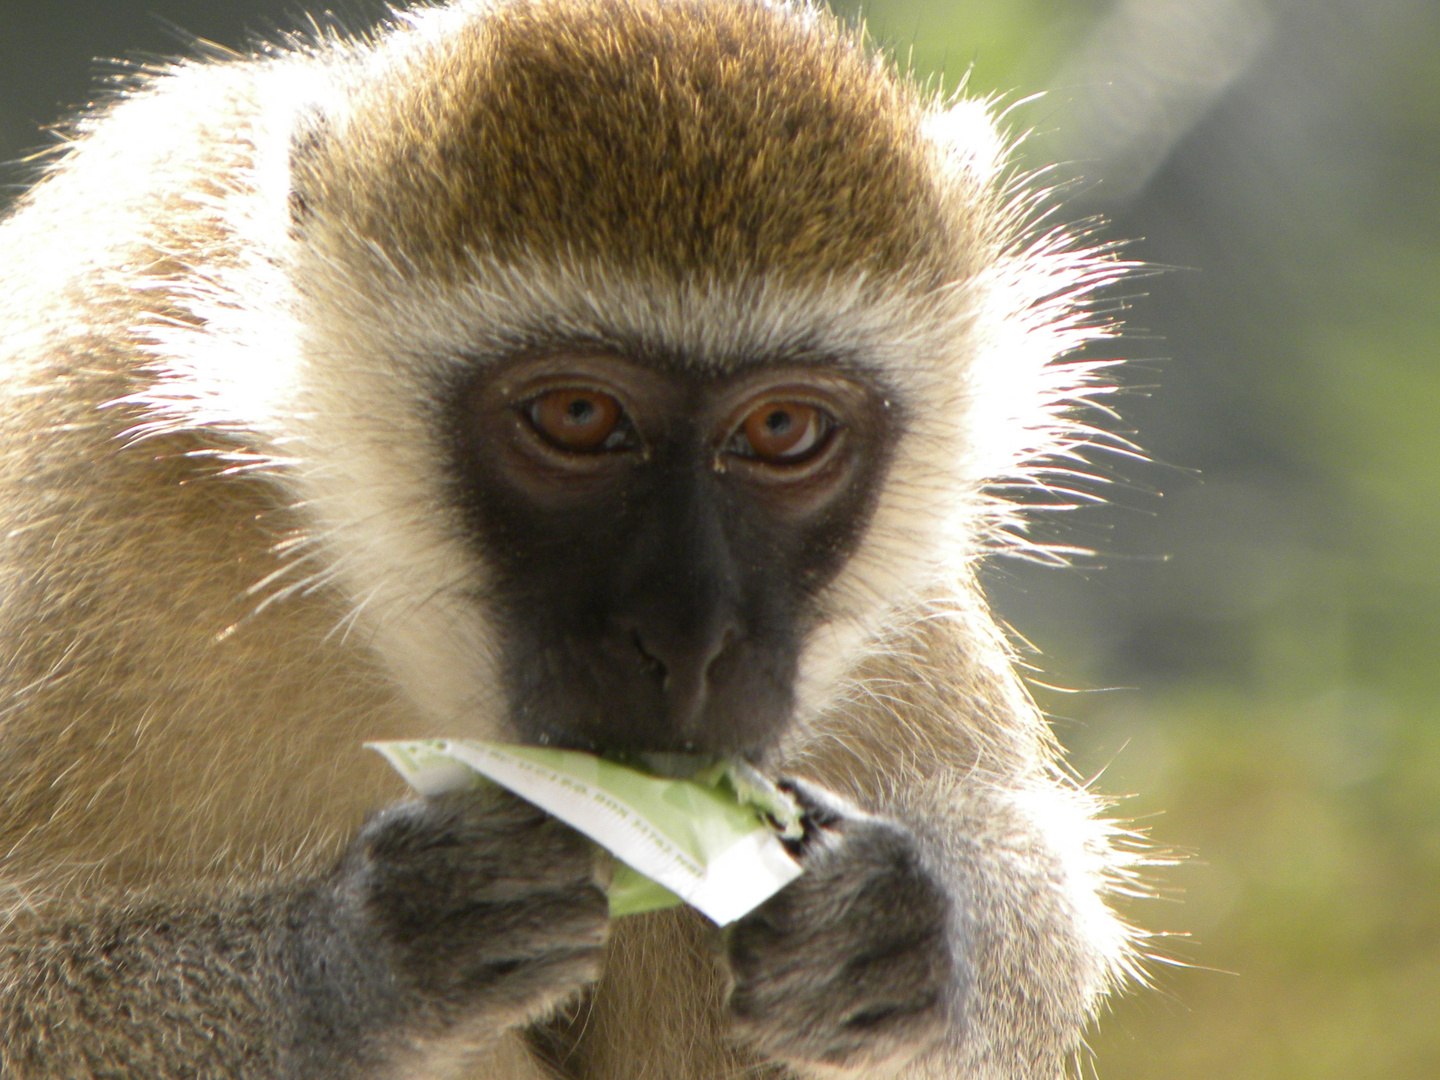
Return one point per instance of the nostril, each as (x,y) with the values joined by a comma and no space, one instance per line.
(653,664)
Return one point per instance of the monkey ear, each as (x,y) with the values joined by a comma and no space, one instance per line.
(966,136)
(307,141)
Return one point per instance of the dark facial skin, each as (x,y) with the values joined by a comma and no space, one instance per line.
(659,535)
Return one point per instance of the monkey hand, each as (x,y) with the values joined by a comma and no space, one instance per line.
(850,965)
(484,910)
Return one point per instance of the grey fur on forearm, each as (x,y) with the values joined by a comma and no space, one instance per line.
(153,988)
(432,928)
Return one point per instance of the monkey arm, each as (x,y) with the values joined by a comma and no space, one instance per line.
(964,765)
(1037,944)
(894,954)
(446,924)
(155,988)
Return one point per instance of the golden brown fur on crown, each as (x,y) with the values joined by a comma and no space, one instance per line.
(751,139)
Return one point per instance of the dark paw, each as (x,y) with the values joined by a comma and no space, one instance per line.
(480,904)
(851,963)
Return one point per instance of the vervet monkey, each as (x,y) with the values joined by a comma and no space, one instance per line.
(613,374)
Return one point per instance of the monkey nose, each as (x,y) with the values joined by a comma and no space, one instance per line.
(681,665)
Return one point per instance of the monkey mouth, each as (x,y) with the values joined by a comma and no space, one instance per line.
(655,746)
(644,731)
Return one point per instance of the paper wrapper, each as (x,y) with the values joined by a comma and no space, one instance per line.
(710,841)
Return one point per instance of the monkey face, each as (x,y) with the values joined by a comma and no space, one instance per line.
(606,281)
(663,533)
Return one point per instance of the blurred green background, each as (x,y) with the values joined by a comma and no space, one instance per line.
(1254,651)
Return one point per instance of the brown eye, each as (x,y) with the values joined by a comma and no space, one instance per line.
(783,432)
(579,420)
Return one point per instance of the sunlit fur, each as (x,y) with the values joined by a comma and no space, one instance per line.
(228,556)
